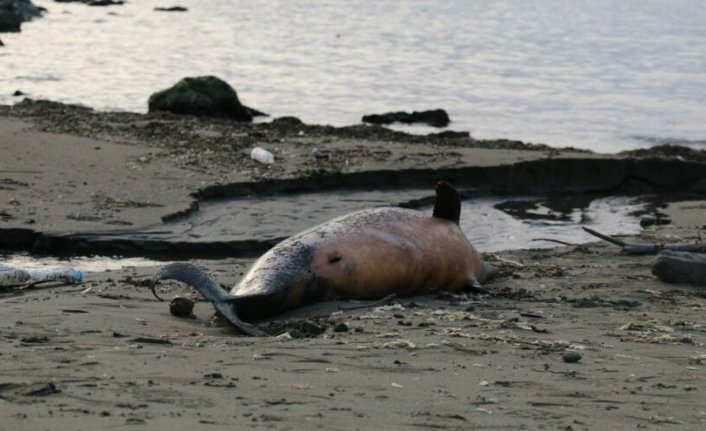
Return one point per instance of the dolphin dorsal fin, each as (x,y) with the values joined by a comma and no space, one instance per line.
(448,202)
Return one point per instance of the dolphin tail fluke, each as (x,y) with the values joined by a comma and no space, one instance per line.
(208,288)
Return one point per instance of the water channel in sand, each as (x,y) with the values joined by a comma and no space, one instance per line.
(246,227)
(491,223)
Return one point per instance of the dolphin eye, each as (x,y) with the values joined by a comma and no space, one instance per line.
(334,257)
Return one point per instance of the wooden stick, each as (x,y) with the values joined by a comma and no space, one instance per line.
(639,249)
(558,241)
(604,237)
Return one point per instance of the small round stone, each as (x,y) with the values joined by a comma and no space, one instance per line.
(181,307)
(571,356)
(340,327)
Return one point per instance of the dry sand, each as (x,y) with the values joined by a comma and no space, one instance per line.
(106,354)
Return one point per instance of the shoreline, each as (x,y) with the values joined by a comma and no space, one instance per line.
(132,173)
(106,353)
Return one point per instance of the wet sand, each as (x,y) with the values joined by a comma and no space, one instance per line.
(107,354)
(79,170)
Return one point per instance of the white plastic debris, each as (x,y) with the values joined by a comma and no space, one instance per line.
(261,155)
(11,276)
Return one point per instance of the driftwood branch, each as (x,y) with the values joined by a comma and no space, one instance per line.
(639,249)
(501,261)
(678,263)
(558,241)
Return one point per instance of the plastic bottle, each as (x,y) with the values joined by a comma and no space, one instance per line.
(262,155)
(13,276)
(10,276)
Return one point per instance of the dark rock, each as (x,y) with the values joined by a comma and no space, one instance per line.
(650,220)
(571,357)
(18,93)
(255,113)
(340,327)
(700,187)
(14,12)
(181,307)
(681,267)
(434,118)
(171,9)
(287,121)
(94,2)
(451,134)
(311,328)
(104,2)
(205,96)
(668,151)
(35,339)
(1,44)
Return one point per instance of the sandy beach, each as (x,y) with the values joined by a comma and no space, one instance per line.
(107,354)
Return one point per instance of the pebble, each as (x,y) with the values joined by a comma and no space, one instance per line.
(571,357)
(181,307)
(340,327)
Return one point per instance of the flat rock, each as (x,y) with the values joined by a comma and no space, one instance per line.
(171,9)
(434,118)
(94,2)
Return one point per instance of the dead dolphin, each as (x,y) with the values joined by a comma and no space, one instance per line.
(367,254)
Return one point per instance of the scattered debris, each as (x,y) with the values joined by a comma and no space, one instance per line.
(113,296)
(676,263)
(434,118)
(261,155)
(648,326)
(35,339)
(14,390)
(399,344)
(150,340)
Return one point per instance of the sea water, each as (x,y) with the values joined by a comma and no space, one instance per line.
(604,75)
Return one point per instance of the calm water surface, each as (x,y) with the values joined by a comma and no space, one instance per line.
(604,75)
(491,223)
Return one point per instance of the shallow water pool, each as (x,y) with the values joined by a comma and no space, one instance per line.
(491,223)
